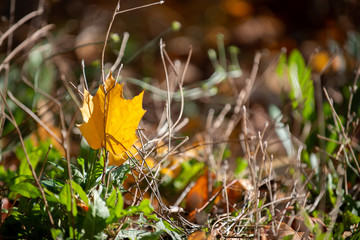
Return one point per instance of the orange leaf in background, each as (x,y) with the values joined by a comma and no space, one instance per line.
(198,195)
(238,8)
(110,120)
(199,235)
(319,61)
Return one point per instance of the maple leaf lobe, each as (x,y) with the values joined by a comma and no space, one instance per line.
(110,120)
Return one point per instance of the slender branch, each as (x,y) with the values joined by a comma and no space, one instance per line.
(106,39)
(140,7)
(38,34)
(19,23)
(168,102)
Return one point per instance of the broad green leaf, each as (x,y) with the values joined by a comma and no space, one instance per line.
(26,189)
(34,155)
(119,175)
(50,196)
(94,171)
(56,233)
(241,165)
(81,162)
(65,199)
(110,202)
(166,227)
(131,234)
(77,188)
(145,207)
(189,169)
(95,221)
(99,207)
(53,185)
(120,204)
(115,203)
(350,219)
(302,86)
(152,236)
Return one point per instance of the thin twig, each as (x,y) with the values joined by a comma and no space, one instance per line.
(140,7)
(104,47)
(168,102)
(19,23)
(85,84)
(34,37)
(121,52)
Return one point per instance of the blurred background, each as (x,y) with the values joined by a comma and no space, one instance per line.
(40,64)
(320,29)
(250,25)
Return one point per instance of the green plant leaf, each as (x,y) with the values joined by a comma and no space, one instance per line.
(95,221)
(189,169)
(288,237)
(145,207)
(56,233)
(302,91)
(241,165)
(280,68)
(99,207)
(307,220)
(330,191)
(26,189)
(350,219)
(131,234)
(51,197)
(81,162)
(34,155)
(77,188)
(65,199)
(53,185)
(111,201)
(115,207)
(120,204)
(166,227)
(119,175)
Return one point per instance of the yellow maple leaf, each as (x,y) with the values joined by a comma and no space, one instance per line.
(111,124)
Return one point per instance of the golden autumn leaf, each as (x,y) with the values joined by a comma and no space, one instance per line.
(110,120)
